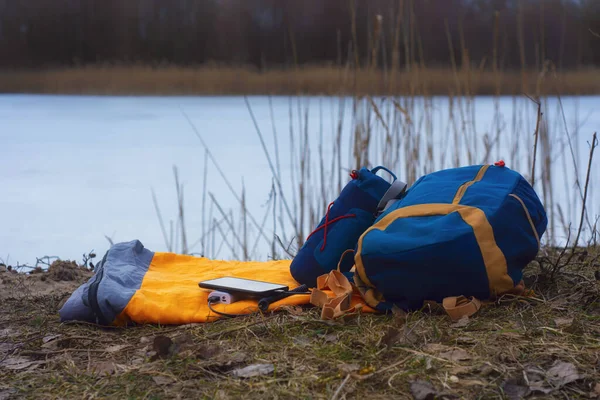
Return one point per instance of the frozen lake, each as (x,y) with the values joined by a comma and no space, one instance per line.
(74,169)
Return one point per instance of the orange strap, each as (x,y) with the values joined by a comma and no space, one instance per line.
(339,304)
(459,307)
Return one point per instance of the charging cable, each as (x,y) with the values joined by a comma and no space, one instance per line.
(217,297)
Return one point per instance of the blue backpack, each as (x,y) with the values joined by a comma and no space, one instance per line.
(353,212)
(466,232)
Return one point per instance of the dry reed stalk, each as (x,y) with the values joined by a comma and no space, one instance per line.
(354,34)
(204,189)
(180,207)
(224,240)
(229,223)
(377,28)
(219,170)
(558,266)
(264,223)
(536,136)
(244,221)
(452,57)
(274,171)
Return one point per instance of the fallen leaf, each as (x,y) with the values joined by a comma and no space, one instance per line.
(301,341)
(465,340)
(596,391)
(221,395)
(184,340)
(540,386)
(456,354)
(184,345)
(399,315)
(486,370)
(366,370)
(17,363)
(514,390)
(116,348)
(8,332)
(461,370)
(348,368)
(163,346)
(225,360)
(391,337)
(562,373)
(293,310)
(560,322)
(472,382)
(163,380)
(330,338)
(435,347)
(103,368)
(461,323)
(253,370)
(238,357)
(422,390)
(513,335)
(49,338)
(207,351)
(6,394)
(7,347)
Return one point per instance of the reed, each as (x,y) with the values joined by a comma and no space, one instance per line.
(308,80)
(396,120)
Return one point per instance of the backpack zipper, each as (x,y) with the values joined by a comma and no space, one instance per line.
(463,188)
(528,218)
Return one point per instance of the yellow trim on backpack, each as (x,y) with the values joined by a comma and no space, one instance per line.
(537,237)
(463,188)
(493,258)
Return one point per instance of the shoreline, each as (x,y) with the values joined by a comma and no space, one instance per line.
(308,81)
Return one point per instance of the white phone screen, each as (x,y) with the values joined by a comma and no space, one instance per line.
(243,284)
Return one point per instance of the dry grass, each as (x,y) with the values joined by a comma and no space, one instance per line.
(327,80)
(508,347)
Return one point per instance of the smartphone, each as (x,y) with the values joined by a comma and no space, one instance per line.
(250,287)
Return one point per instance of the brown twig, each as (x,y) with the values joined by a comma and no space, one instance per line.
(339,389)
(558,265)
(585,193)
(536,134)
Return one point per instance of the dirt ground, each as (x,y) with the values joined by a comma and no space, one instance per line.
(547,346)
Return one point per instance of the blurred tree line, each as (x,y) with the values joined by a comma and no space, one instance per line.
(276,33)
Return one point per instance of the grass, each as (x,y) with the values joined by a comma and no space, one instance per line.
(486,357)
(327,80)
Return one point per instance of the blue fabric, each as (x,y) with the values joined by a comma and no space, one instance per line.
(430,258)
(119,276)
(425,258)
(359,197)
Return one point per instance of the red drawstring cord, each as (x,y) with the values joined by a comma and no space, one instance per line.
(327,223)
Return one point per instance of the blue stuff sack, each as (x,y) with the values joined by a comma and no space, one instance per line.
(467,231)
(353,212)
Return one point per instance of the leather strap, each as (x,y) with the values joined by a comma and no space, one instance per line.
(459,307)
(341,289)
